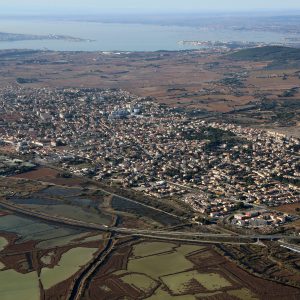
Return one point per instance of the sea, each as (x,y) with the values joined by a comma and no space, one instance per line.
(123,37)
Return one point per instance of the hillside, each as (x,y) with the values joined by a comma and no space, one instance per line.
(268,53)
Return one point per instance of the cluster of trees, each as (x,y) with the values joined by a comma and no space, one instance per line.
(21,80)
(215,136)
(233,81)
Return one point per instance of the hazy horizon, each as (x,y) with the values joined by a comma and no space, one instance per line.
(100,7)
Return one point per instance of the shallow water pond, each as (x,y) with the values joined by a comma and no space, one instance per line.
(69,264)
(3,243)
(14,285)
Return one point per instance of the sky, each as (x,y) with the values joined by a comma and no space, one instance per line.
(141,6)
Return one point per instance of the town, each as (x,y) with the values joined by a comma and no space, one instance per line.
(114,136)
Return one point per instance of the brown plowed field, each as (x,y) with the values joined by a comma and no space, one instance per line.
(39,174)
(51,176)
(175,78)
(289,208)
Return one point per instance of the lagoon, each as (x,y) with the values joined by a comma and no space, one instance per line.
(121,37)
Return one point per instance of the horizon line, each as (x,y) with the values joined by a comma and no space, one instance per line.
(119,13)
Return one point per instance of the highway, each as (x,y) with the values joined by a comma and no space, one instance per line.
(174,235)
(293,248)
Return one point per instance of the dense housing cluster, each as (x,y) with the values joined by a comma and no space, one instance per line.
(113,135)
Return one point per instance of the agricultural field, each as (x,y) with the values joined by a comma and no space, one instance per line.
(235,86)
(160,270)
(290,208)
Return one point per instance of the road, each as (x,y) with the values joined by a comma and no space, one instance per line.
(293,248)
(175,235)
